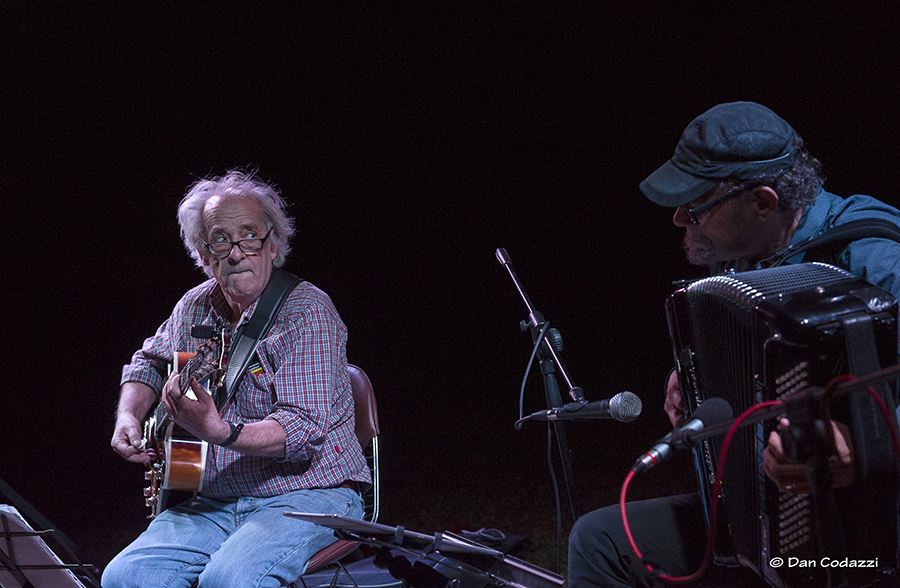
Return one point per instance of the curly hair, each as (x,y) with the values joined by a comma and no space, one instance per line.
(797,187)
(234,183)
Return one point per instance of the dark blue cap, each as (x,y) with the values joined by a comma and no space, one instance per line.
(737,140)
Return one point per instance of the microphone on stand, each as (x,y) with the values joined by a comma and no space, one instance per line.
(502,256)
(712,412)
(623,407)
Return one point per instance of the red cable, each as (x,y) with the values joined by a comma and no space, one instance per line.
(885,412)
(714,508)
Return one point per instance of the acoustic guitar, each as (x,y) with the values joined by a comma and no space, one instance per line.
(178,458)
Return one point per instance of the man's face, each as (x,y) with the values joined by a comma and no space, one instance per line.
(242,276)
(728,231)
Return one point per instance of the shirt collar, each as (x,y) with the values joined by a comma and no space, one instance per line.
(813,219)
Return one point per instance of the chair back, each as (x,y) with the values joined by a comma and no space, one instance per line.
(367,431)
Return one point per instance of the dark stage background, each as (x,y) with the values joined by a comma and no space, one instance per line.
(412,142)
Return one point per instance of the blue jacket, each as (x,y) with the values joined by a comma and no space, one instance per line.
(875,260)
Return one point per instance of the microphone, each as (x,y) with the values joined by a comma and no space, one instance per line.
(712,412)
(624,407)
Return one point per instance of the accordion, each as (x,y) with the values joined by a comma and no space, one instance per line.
(760,335)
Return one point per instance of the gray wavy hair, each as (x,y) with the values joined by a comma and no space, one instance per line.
(234,183)
(797,187)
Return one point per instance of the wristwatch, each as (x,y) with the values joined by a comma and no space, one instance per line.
(235,431)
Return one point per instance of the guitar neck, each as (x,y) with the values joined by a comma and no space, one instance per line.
(161,419)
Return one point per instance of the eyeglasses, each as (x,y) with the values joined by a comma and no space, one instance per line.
(223,247)
(695,212)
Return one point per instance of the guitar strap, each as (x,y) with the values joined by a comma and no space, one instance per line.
(280,285)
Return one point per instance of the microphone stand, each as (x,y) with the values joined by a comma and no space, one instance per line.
(550,363)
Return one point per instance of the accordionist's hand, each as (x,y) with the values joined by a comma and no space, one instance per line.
(674,405)
(793,478)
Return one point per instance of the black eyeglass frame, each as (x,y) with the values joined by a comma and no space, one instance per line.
(239,243)
(695,212)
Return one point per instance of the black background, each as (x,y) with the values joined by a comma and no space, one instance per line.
(412,141)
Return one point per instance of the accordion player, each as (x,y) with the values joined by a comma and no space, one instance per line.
(764,334)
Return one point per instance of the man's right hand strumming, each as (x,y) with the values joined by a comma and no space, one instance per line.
(135,401)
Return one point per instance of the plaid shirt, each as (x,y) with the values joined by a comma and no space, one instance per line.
(298,378)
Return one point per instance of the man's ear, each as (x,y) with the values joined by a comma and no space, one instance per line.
(766,200)
(274,244)
(202,252)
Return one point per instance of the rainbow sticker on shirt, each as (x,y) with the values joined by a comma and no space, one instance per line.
(256,370)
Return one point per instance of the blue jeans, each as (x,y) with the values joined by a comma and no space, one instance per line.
(240,543)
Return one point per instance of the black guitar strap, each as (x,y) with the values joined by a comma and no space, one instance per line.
(280,285)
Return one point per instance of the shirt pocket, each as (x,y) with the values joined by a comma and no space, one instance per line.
(255,398)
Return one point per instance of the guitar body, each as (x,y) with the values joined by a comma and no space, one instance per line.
(179,458)
(185,462)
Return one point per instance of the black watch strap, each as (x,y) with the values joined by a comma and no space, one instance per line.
(235,431)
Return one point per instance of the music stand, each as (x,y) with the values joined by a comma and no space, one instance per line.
(446,542)
(26,560)
(434,552)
